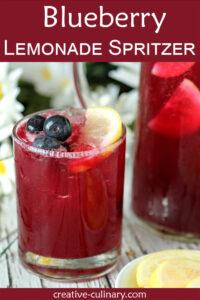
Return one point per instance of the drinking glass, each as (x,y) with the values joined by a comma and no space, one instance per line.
(69,205)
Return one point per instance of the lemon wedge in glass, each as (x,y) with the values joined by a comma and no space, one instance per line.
(103,126)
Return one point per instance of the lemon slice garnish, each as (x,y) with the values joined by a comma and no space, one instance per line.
(195,283)
(103,126)
(152,261)
(175,273)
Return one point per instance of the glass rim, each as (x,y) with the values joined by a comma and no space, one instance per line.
(54,153)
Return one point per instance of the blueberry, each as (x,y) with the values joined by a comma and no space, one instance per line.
(58,127)
(46,142)
(35,123)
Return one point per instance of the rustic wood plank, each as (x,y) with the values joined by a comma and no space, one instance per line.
(152,241)
(100,282)
(4,277)
(8,220)
(18,275)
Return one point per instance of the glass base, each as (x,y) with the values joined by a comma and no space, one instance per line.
(70,269)
(167,232)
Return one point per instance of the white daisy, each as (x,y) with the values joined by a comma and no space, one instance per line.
(127,73)
(10,108)
(51,79)
(7,176)
(66,97)
(5,149)
(125,104)
(103,96)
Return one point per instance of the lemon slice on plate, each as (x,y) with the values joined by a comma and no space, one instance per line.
(175,273)
(103,126)
(152,261)
(163,269)
(195,283)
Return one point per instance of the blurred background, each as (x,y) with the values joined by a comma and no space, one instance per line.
(30,87)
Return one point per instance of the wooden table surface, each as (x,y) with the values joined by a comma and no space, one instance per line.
(137,241)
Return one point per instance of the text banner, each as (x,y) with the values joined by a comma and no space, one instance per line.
(101,294)
(88,30)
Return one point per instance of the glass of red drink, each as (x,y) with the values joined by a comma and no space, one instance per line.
(166,184)
(70,193)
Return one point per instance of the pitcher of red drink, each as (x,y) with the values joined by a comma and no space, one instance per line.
(166,183)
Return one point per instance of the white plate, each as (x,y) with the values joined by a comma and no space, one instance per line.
(127,276)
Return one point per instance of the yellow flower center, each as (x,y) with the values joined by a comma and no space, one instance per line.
(2,168)
(46,73)
(64,83)
(1,91)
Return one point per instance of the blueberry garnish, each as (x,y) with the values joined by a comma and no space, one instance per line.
(46,142)
(35,123)
(58,127)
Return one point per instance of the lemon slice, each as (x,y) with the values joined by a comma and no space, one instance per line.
(195,283)
(150,262)
(103,126)
(175,273)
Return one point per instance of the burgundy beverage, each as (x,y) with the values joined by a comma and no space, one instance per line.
(69,197)
(166,184)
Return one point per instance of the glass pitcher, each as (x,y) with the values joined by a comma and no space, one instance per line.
(166,184)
